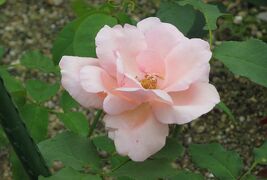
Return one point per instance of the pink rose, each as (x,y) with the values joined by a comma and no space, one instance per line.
(145,78)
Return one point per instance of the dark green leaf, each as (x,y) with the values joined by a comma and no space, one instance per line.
(63,44)
(71,149)
(41,91)
(36,120)
(183,175)
(70,174)
(172,150)
(2,50)
(2,2)
(3,139)
(182,17)
(149,169)
(11,83)
(76,122)
(261,154)
(19,98)
(258,2)
(123,18)
(223,164)
(80,7)
(210,12)
(67,102)
(35,60)
(225,109)
(117,160)
(104,143)
(84,40)
(248,58)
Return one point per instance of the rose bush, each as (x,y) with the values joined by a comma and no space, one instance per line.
(145,77)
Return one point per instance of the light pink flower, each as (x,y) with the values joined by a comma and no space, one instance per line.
(145,78)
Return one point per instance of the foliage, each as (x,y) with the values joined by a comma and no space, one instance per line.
(94,157)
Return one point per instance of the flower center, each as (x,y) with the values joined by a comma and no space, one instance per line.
(149,82)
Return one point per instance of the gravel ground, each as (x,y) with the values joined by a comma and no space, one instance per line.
(29,24)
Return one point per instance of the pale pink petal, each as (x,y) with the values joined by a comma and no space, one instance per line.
(94,79)
(149,62)
(162,37)
(124,79)
(148,23)
(70,70)
(145,95)
(187,63)
(137,133)
(128,41)
(190,104)
(114,104)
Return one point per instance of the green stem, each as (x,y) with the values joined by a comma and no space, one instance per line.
(24,146)
(95,121)
(210,36)
(175,131)
(249,170)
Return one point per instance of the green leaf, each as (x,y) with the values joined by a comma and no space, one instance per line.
(63,44)
(104,143)
(124,18)
(172,150)
(117,161)
(76,122)
(36,60)
(2,2)
(67,102)
(147,170)
(41,91)
(18,172)
(248,58)
(3,138)
(261,154)
(11,83)
(2,50)
(225,109)
(223,164)
(183,17)
(72,150)
(36,120)
(210,12)
(19,98)
(81,7)
(187,175)
(70,174)
(84,39)
(258,2)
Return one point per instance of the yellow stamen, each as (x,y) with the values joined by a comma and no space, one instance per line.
(149,82)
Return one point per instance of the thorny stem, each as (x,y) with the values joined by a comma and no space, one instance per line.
(249,170)
(95,121)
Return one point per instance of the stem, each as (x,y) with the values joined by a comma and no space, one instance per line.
(249,170)
(210,36)
(25,148)
(96,119)
(175,131)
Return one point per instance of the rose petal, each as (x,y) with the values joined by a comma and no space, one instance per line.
(149,62)
(114,104)
(160,37)
(136,133)
(145,95)
(70,70)
(94,79)
(187,63)
(190,104)
(127,41)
